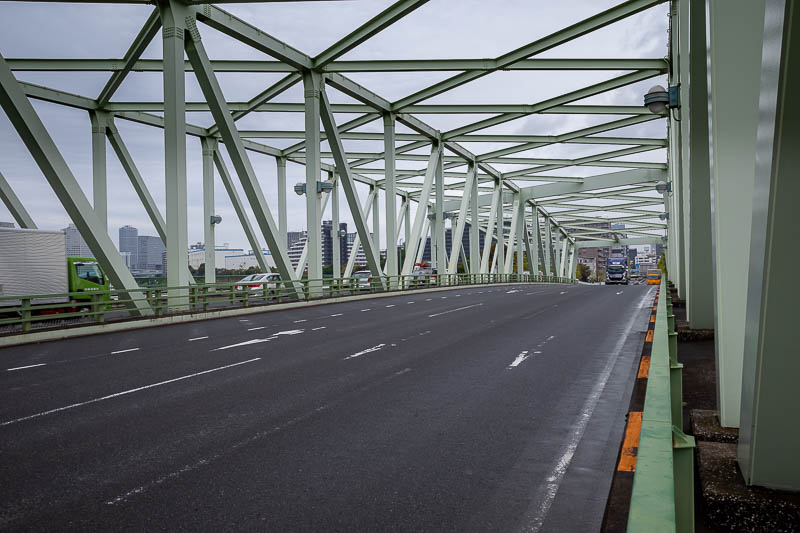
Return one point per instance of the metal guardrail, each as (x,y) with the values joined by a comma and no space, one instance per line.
(663,484)
(25,315)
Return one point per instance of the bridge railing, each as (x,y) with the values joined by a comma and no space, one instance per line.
(41,311)
(663,483)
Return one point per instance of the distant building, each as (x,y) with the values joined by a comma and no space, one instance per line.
(129,243)
(245,261)
(149,251)
(6,224)
(448,243)
(127,259)
(76,246)
(294,236)
(197,255)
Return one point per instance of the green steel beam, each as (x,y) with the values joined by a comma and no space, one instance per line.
(541,45)
(14,206)
(140,43)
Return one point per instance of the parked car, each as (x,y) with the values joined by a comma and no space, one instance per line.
(423,275)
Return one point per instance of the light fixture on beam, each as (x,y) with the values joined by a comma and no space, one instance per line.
(215,219)
(663,186)
(658,99)
(663,216)
(322,186)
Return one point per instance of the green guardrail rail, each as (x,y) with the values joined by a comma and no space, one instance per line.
(23,314)
(663,484)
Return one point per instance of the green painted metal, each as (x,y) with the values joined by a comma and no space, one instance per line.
(663,488)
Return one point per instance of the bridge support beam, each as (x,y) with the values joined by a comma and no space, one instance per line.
(487,243)
(474,226)
(500,228)
(769,436)
(697,187)
(312,82)
(390,188)
(735,40)
(99,120)
(18,211)
(173,17)
(208,145)
(283,236)
(336,261)
(438,250)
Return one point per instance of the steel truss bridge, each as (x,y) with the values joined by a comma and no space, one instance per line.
(720,199)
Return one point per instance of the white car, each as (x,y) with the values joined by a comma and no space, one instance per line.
(362,280)
(259,282)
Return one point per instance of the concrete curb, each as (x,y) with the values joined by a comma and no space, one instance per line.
(94,329)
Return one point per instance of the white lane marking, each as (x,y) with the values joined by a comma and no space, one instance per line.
(24,367)
(454,310)
(362,352)
(620,292)
(511,291)
(457,295)
(536,515)
(123,393)
(444,297)
(123,351)
(198,338)
(337,314)
(563,292)
(392,305)
(409,302)
(254,329)
(365,310)
(520,358)
(428,299)
(249,440)
(258,341)
(299,321)
(243,320)
(317,329)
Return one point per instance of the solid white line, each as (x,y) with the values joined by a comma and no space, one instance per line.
(520,358)
(123,351)
(553,481)
(198,338)
(253,329)
(23,367)
(368,350)
(454,310)
(123,393)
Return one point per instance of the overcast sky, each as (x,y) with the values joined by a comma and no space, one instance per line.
(440,29)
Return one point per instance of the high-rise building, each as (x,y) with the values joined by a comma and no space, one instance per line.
(76,246)
(294,236)
(150,250)
(128,242)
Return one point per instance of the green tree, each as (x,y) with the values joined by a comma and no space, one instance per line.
(583,272)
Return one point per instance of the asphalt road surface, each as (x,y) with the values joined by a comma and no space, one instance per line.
(477,409)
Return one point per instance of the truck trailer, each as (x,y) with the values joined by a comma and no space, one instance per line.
(35,262)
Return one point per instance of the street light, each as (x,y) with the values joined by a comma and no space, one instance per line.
(658,99)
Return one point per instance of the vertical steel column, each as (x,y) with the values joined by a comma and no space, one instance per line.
(571,274)
(523,243)
(283,235)
(487,242)
(699,274)
(562,258)
(541,258)
(501,228)
(99,120)
(512,234)
(682,194)
(173,19)
(209,145)
(438,250)
(457,230)
(376,220)
(474,226)
(13,204)
(734,48)
(675,231)
(769,435)
(336,262)
(406,221)
(550,252)
(311,84)
(390,190)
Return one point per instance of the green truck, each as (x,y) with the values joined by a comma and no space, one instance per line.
(35,263)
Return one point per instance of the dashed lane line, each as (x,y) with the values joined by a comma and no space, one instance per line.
(24,367)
